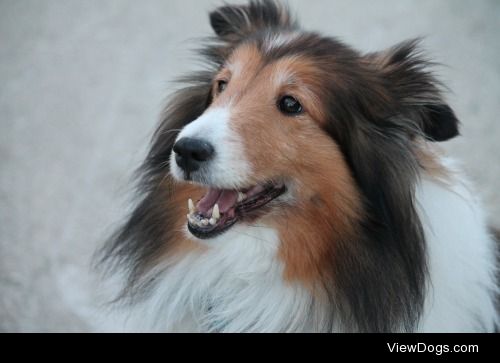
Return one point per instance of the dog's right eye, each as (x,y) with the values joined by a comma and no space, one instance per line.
(221,86)
(289,106)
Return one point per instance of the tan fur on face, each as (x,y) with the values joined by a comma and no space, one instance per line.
(323,214)
(239,72)
(324,204)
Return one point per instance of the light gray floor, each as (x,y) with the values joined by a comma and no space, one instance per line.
(81,87)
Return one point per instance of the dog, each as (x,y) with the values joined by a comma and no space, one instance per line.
(296,185)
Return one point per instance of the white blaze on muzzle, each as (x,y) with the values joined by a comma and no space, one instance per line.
(228,168)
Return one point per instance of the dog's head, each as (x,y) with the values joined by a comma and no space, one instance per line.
(295,113)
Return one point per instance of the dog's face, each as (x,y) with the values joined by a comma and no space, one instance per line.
(262,139)
(288,114)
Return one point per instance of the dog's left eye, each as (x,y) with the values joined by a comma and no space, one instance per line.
(221,86)
(289,105)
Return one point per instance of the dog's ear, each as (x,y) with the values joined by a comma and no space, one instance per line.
(233,23)
(405,73)
(440,123)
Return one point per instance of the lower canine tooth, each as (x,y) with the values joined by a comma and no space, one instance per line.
(212,221)
(215,212)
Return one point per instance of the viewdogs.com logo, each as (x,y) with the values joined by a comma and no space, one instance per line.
(437,349)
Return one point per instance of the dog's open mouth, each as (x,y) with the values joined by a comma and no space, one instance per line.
(219,209)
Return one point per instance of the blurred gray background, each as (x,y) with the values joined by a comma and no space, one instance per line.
(82,84)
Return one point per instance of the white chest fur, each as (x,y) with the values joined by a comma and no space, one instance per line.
(461,257)
(235,286)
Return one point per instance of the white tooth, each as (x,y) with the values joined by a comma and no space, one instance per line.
(212,221)
(215,212)
(241,196)
(191,206)
(204,222)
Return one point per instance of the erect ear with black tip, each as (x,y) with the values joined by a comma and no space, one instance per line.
(233,23)
(417,93)
(221,21)
(440,124)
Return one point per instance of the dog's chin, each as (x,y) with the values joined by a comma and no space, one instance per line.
(220,209)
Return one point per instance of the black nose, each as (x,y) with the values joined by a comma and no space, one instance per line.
(191,153)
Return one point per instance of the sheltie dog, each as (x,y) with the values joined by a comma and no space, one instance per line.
(295,186)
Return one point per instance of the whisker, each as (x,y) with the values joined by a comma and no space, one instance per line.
(163,132)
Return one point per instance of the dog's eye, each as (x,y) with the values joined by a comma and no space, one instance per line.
(289,106)
(221,86)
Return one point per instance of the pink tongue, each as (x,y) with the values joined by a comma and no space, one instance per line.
(226,199)
(208,200)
